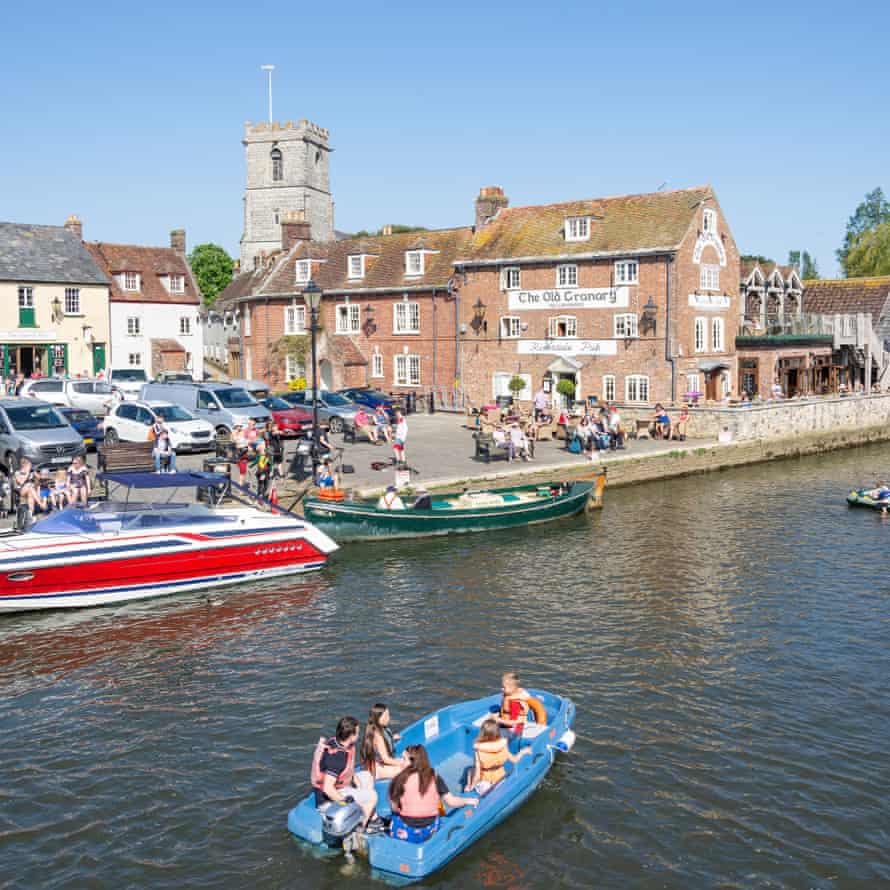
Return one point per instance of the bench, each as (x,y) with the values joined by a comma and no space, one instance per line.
(128,457)
(488,449)
(353,433)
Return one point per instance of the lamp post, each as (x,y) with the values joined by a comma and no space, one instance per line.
(312,295)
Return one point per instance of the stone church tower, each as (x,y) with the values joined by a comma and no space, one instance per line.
(287,170)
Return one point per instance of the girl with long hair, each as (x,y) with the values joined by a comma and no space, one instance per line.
(377,754)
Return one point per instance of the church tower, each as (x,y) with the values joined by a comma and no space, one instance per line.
(287,170)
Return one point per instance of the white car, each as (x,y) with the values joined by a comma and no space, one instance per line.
(129,381)
(131,421)
(95,396)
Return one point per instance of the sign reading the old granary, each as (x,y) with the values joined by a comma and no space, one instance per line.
(714,302)
(567,347)
(570,298)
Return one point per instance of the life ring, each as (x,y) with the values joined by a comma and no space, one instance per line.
(332,494)
(536,706)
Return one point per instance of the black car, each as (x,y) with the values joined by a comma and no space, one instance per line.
(86,425)
(370,399)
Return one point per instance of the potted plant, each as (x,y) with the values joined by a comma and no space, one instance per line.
(566,388)
(516,385)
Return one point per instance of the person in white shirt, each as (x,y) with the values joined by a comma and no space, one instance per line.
(616,434)
(517,443)
(390,500)
(401,436)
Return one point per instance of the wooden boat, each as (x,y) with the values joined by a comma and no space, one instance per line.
(861,498)
(471,511)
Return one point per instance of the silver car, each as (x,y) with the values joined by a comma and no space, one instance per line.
(36,430)
(335,410)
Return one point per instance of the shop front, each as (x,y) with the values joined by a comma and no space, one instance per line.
(31,358)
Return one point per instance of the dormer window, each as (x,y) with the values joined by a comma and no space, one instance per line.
(578,228)
(414,262)
(709,222)
(131,281)
(277,165)
(356,265)
(304,271)
(177,284)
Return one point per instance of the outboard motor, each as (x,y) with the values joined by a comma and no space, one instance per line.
(339,821)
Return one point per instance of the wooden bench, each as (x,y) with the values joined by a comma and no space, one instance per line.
(353,433)
(126,457)
(488,449)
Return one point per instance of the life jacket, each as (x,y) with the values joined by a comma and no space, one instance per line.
(514,707)
(415,805)
(331,494)
(330,746)
(491,756)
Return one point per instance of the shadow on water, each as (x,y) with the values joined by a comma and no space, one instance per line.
(724,637)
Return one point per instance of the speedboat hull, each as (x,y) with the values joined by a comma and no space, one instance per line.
(448,736)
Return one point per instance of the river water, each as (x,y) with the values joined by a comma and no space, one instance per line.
(726,639)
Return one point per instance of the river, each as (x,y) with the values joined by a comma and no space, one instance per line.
(726,639)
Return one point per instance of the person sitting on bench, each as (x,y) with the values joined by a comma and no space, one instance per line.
(163,453)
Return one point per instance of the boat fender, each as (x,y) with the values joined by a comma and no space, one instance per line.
(566,741)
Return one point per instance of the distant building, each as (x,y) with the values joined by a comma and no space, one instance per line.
(54,315)
(155,306)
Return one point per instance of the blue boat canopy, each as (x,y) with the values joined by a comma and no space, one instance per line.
(165,480)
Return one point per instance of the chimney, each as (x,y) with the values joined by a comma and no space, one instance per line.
(177,240)
(294,229)
(491,199)
(75,226)
(386,230)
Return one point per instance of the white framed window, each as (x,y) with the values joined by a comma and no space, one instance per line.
(636,388)
(626,325)
(348,318)
(131,281)
(406,318)
(709,221)
(185,325)
(134,359)
(294,319)
(701,335)
(355,265)
(709,278)
(627,272)
(511,326)
(693,383)
(510,277)
(562,326)
(247,321)
(414,262)
(608,387)
(717,335)
(567,275)
(578,228)
(134,326)
(293,369)
(377,364)
(72,301)
(407,370)
(304,271)
(177,284)
(26,298)
(500,385)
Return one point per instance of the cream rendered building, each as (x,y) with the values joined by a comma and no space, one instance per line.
(54,312)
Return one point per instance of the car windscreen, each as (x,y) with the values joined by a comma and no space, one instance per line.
(128,375)
(276,404)
(331,398)
(235,398)
(78,416)
(171,413)
(34,417)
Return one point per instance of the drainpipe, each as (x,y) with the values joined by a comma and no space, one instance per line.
(241,345)
(667,327)
(435,336)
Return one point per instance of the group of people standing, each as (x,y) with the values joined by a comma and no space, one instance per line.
(260,449)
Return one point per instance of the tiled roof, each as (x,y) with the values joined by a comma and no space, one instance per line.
(165,345)
(46,254)
(240,286)
(766,269)
(624,224)
(151,263)
(847,295)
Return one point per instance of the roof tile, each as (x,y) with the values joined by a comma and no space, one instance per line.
(151,263)
(847,295)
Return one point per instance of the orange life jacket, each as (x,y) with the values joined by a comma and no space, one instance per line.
(491,757)
(515,707)
(415,805)
(330,746)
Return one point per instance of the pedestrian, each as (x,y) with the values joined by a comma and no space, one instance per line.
(542,403)
(274,447)
(401,437)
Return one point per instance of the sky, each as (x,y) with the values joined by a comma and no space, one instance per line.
(131,115)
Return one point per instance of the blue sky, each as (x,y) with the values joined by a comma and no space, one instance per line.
(131,116)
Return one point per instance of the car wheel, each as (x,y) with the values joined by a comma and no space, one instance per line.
(222,431)
(111,436)
(336,424)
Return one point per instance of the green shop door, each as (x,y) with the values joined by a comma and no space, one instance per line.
(98,358)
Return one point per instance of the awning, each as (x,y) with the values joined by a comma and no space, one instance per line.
(708,366)
(165,480)
(564,365)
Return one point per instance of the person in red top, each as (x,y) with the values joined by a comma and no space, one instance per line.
(514,703)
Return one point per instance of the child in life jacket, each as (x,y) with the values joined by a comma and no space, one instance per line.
(514,704)
(333,770)
(491,753)
(415,795)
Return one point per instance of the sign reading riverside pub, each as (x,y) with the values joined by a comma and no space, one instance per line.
(567,347)
(570,298)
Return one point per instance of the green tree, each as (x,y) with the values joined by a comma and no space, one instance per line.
(396,230)
(212,266)
(870,253)
(804,263)
(755,258)
(872,211)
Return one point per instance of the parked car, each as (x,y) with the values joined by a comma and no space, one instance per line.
(256,388)
(219,404)
(175,377)
(291,420)
(128,380)
(89,427)
(50,389)
(36,430)
(335,410)
(370,399)
(95,396)
(131,422)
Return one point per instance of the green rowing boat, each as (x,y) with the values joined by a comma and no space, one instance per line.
(471,511)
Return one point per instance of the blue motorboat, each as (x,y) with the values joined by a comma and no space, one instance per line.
(448,735)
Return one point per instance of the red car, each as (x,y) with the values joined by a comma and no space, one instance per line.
(292,421)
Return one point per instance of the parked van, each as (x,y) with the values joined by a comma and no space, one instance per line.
(220,404)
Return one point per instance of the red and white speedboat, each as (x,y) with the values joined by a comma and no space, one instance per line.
(111,552)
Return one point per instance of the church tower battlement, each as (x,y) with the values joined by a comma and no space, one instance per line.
(288,170)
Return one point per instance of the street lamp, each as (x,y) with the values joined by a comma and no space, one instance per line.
(312,295)
(478,322)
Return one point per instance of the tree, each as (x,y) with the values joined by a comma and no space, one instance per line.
(755,258)
(804,263)
(212,266)
(396,230)
(870,253)
(872,211)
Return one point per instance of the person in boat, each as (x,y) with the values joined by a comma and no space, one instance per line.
(378,751)
(164,453)
(333,770)
(79,483)
(326,477)
(880,492)
(415,796)
(490,753)
(514,704)
(390,499)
